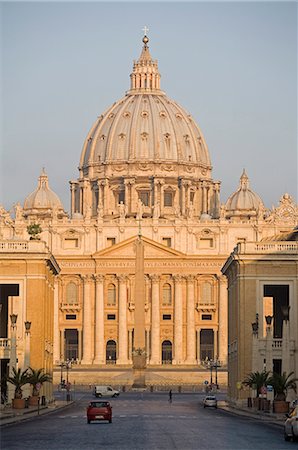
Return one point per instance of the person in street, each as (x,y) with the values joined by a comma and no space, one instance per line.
(170,396)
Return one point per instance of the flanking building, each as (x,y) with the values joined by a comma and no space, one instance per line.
(27,280)
(263,309)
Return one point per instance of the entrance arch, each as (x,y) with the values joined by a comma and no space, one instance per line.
(111,351)
(166,352)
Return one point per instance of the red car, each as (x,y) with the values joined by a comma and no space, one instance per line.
(99,410)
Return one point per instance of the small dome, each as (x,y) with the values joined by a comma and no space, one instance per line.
(244,202)
(43,198)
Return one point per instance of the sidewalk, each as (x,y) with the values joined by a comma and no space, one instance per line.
(10,415)
(276,419)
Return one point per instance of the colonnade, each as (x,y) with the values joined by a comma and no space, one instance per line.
(184,334)
(93,199)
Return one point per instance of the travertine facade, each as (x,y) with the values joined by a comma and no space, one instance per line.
(144,173)
(27,273)
(262,282)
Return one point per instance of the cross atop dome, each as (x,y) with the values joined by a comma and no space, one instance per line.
(145,29)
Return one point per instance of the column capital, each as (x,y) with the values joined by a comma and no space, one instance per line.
(178,278)
(154,278)
(99,278)
(122,278)
(86,278)
(191,278)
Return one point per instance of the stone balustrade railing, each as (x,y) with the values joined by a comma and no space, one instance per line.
(4,348)
(13,246)
(267,247)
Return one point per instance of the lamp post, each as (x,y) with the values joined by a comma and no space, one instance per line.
(27,344)
(285,350)
(13,352)
(269,359)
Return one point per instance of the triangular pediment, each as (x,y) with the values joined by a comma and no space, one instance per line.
(126,249)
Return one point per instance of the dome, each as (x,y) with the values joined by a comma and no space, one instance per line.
(243,202)
(43,198)
(145,126)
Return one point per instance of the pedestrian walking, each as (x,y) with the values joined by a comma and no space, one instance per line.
(170,396)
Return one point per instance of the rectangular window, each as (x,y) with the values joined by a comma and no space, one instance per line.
(168,199)
(241,240)
(71,243)
(192,196)
(144,196)
(166,317)
(206,316)
(111,316)
(111,241)
(206,243)
(167,241)
(121,196)
(71,316)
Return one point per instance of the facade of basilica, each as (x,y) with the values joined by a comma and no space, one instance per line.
(142,248)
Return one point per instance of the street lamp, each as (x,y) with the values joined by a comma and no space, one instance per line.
(27,344)
(13,351)
(27,326)
(285,312)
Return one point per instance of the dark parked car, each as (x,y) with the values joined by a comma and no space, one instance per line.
(99,410)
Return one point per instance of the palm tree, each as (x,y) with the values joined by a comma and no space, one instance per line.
(282,383)
(18,379)
(256,380)
(36,377)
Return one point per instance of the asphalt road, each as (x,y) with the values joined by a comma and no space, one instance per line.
(144,422)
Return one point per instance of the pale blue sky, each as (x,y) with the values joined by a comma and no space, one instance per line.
(233,66)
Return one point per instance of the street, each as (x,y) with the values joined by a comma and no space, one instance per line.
(144,421)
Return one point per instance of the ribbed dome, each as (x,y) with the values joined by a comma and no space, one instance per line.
(43,197)
(144,126)
(243,202)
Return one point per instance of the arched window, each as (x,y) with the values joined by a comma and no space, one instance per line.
(206,293)
(167,294)
(166,351)
(111,294)
(111,352)
(71,293)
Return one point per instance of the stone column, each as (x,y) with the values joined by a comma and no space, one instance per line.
(269,353)
(191,336)
(106,196)
(183,197)
(223,321)
(72,197)
(87,322)
(155,322)
(99,321)
(57,355)
(127,201)
(204,197)
(161,196)
(255,353)
(156,183)
(178,321)
(285,349)
(133,199)
(122,321)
